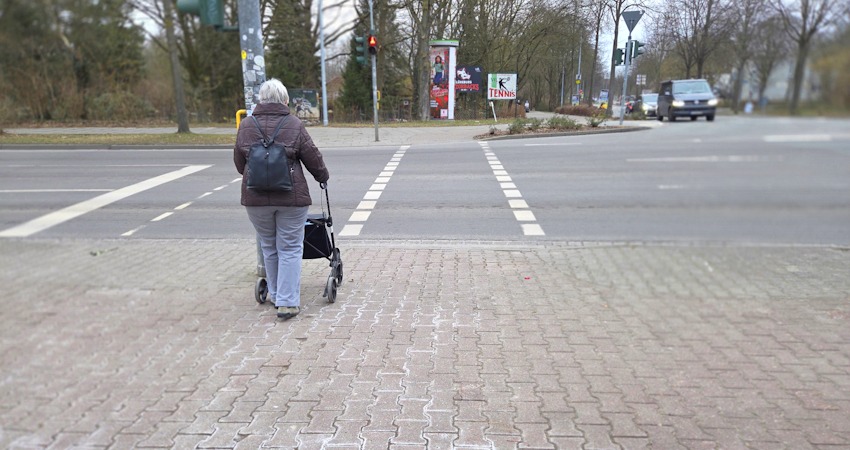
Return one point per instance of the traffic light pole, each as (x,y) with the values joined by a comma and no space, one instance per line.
(253,56)
(631,18)
(374,72)
(324,79)
(627,62)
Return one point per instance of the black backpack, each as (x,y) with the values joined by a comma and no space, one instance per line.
(268,167)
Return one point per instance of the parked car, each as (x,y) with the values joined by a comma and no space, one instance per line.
(686,98)
(647,103)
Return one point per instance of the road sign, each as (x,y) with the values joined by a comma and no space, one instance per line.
(632,18)
(501,86)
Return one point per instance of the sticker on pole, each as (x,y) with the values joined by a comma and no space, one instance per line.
(501,86)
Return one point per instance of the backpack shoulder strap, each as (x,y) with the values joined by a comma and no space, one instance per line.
(277,130)
(266,141)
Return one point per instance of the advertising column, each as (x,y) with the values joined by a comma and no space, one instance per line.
(442,60)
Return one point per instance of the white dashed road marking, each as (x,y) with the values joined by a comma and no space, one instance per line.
(65,214)
(365,207)
(519,206)
(180,207)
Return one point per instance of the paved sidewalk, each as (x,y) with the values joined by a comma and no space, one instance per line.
(322,136)
(340,136)
(159,344)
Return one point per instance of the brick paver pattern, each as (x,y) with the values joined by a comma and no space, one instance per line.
(160,344)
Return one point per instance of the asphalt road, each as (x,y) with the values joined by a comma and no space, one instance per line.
(737,180)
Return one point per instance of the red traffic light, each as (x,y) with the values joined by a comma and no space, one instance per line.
(373,45)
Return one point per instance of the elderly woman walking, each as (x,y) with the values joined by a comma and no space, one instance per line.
(279,216)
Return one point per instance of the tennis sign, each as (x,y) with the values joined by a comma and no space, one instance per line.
(501,86)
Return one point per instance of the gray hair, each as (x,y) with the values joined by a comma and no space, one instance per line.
(273,91)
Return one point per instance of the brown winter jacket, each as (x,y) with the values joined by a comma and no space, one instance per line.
(299,147)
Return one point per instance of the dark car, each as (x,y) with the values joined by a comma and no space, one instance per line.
(686,98)
(647,103)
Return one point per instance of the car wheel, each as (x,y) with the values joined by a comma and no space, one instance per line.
(710,117)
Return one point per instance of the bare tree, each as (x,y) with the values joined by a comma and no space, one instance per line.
(768,49)
(747,13)
(595,10)
(699,28)
(802,19)
(176,72)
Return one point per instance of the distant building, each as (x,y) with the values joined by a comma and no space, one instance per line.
(779,84)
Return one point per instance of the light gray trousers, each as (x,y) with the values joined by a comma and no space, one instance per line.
(280,231)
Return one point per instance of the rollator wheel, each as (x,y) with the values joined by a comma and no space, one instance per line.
(261,290)
(330,289)
(337,263)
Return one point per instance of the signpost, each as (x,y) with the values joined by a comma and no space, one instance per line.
(631,18)
(501,86)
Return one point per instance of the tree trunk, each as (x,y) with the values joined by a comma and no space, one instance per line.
(176,75)
(422,58)
(611,79)
(593,66)
(736,90)
(799,74)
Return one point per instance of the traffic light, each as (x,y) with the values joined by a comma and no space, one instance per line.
(373,44)
(360,48)
(618,57)
(636,49)
(211,12)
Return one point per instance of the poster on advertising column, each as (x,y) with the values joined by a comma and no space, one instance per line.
(442,62)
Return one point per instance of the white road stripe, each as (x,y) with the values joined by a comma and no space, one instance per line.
(532,229)
(711,158)
(65,214)
(524,216)
(359,216)
(351,230)
(162,216)
(183,206)
(364,209)
(47,191)
(515,201)
(552,145)
(133,231)
(797,138)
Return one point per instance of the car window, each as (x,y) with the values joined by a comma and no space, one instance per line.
(691,87)
(650,97)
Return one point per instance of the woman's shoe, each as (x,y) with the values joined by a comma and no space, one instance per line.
(287,312)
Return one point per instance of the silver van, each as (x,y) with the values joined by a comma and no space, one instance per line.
(686,98)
